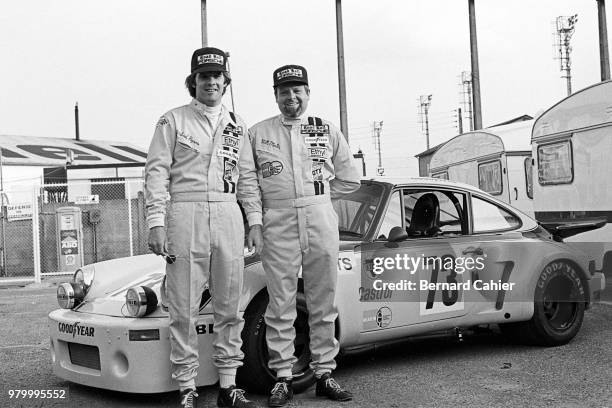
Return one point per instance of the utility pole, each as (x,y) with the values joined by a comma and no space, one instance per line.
(204,24)
(475,69)
(564,29)
(459,121)
(424,103)
(466,94)
(380,170)
(604,57)
(341,74)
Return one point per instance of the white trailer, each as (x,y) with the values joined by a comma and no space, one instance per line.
(572,150)
(496,160)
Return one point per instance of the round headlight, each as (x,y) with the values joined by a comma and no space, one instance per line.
(84,276)
(70,295)
(140,301)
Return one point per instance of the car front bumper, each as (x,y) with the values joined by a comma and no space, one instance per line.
(120,353)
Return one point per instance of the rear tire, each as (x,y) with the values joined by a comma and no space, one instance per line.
(255,375)
(559,305)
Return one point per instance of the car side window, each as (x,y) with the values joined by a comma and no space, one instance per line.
(431,213)
(489,217)
(393,216)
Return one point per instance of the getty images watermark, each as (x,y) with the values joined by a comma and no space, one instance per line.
(390,276)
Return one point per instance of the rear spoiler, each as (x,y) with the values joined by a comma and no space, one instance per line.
(567,228)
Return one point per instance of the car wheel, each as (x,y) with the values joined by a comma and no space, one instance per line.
(559,305)
(255,375)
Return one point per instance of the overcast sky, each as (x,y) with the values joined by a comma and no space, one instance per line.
(125,62)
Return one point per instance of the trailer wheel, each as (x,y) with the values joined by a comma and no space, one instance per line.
(559,307)
(255,375)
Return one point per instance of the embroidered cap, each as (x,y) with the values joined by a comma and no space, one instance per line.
(290,74)
(208,59)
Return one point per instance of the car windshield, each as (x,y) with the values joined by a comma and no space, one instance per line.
(356,211)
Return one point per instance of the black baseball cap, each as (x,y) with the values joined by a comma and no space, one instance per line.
(290,74)
(208,59)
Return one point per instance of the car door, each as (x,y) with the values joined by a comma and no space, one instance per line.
(434,251)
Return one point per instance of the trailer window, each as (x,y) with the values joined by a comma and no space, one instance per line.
(528,164)
(490,177)
(555,163)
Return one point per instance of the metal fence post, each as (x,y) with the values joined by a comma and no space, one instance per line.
(36,235)
(129,202)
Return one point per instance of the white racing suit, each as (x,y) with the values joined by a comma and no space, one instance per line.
(301,164)
(205,230)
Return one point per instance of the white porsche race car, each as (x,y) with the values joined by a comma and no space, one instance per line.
(417,256)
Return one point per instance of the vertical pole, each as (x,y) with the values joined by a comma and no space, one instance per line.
(604,57)
(204,24)
(341,75)
(76,121)
(568,69)
(129,203)
(231,83)
(3,249)
(460,121)
(427,125)
(475,70)
(35,235)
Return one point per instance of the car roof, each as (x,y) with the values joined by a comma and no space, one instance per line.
(423,181)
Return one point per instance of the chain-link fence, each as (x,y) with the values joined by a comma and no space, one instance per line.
(53,229)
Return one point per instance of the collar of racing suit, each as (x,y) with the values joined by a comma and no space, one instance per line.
(212,114)
(291,121)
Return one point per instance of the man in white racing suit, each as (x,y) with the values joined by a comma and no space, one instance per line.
(201,155)
(303,162)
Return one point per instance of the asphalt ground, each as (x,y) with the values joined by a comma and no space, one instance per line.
(483,370)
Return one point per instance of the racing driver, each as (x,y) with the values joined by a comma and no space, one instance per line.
(201,155)
(303,162)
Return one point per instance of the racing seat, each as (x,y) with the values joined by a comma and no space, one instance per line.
(425,221)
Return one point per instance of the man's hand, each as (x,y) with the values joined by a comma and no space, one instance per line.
(157,240)
(255,239)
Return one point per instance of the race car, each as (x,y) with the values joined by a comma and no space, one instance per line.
(417,257)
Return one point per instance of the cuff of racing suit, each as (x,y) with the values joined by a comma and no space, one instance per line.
(254,218)
(155,220)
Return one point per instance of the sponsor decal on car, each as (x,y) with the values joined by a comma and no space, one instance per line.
(377,318)
(76,329)
(205,328)
(370,294)
(345,264)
